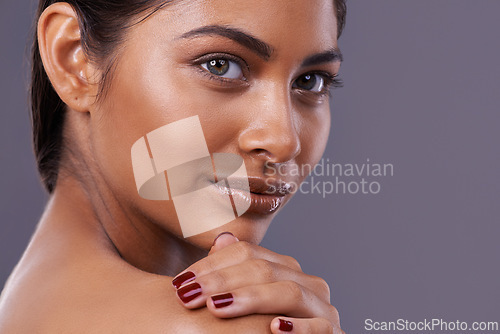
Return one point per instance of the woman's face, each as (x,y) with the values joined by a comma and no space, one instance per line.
(254,72)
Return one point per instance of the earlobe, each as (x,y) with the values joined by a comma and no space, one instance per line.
(63,58)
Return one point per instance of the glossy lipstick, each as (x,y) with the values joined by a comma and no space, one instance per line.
(265,196)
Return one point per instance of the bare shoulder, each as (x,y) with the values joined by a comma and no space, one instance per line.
(89,296)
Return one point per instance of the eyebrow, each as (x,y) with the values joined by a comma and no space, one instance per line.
(258,46)
(332,55)
(261,48)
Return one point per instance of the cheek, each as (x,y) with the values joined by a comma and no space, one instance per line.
(136,104)
(142,97)
(314,135)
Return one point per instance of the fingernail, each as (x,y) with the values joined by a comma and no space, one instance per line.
(286,326)
(222,235)
(189,292)
(223,300)
(183,279)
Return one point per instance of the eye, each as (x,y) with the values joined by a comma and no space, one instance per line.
(223,68)
(310,82)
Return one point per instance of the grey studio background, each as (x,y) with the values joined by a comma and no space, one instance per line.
(422,92)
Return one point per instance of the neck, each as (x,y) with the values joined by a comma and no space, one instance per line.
(84,197)
(137,241)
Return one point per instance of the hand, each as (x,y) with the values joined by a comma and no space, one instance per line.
(238,278)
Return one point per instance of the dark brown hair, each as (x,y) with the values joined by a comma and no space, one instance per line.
(102,26)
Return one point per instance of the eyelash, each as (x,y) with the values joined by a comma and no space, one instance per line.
(206,58)
(331,80)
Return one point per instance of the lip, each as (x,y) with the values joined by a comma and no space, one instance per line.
(266,196)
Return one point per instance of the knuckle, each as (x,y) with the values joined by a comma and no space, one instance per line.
(245,250)
(294,291)
(209,265)
(292,262)
(333,314)
(319,325)
(338,330)
(322,286)
(312,330)
(203,267)
(265,269)
(219,280)
(326,326)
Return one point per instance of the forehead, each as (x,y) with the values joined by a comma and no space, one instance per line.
(284,24)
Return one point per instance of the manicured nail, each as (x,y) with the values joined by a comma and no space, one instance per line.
(189,292)
(220,236)
(223,300)
(286,326)
(183,279)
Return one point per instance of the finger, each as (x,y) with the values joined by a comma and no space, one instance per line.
(223,240)
(281,325)
(253,272)
(284,297)
(231,255)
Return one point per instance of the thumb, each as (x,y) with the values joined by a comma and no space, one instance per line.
(223,240)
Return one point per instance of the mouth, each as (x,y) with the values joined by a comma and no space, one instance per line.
(265,196)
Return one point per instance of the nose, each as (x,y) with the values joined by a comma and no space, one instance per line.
(271,134)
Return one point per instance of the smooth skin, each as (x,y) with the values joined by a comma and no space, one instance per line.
(102,259)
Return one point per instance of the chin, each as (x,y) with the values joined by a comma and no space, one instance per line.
(248,227)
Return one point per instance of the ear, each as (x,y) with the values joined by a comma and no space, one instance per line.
(63,58)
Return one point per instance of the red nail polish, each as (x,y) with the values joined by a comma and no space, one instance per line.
(183,279)
(217,237)
(286,326)
(223,300)
(189,292)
